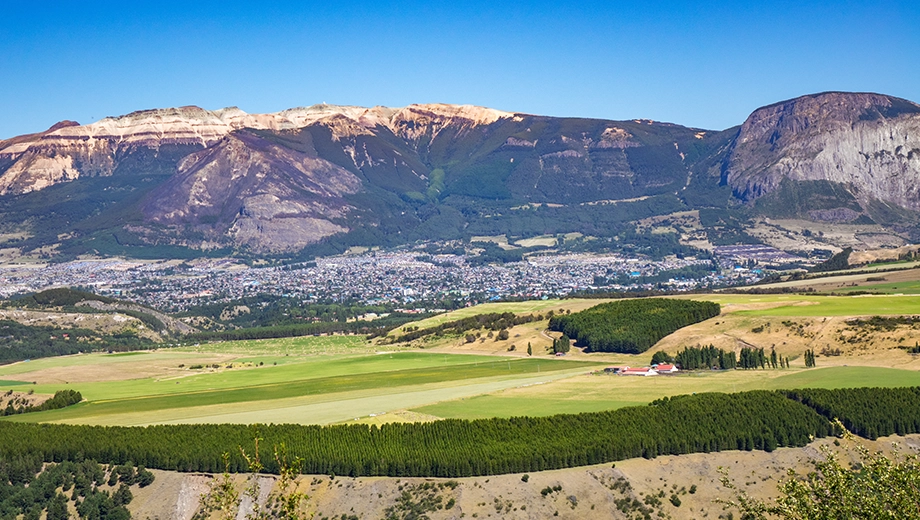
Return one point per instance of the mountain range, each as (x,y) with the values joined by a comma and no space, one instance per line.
(188,181)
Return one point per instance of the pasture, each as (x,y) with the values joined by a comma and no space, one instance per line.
(815,305)
(595,392)
(905,287)
(193,392)
(330,379)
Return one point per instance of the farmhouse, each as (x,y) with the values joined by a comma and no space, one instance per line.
(665,368)
(645,371)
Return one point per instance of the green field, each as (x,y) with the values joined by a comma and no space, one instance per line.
(9,383)
(603,392)
(361,380)
(906,287)
(269,386)
(485,406)
(811,306)
(300,346)
(294,370)
(328,379)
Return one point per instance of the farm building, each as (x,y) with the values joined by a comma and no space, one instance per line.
(644,371)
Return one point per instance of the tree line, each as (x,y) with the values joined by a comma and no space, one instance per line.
(631,326)
(867,412)
(61,399)
(378,327)
(703,358)
(698,358)
(32,342)
(810,359)
(493,321)
(449,448)
(562,345)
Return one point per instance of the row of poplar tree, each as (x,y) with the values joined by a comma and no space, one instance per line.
(700,358)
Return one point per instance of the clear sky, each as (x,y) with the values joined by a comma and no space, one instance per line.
(702,64)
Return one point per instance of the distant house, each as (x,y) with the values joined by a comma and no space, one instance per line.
(666,369)
(644,371)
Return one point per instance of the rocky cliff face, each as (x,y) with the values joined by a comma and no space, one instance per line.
(868,143)
(254,192)
(277,182)
(69,151)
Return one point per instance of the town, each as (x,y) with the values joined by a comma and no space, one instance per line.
(401,278)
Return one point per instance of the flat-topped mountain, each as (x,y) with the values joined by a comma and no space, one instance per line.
(342,175)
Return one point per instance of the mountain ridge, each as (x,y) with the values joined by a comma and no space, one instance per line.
(281,182)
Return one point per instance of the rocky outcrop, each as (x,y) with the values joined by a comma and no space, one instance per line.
(869,143)
(68,151)
(277,182)
(251,192)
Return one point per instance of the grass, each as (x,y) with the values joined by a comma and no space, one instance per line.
(485,406)
(7,382)
(299,346)
(905,287)
(368,406)
(184,381)
(593,393)
(849,377)
(323,379)
(89,360)
(384,381)
(815,306)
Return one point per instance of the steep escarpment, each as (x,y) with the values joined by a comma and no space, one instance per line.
(401,174)
(867,145)
(255,193)
(274,183)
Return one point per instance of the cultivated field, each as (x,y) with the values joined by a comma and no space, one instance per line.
(330,379)
(247,388)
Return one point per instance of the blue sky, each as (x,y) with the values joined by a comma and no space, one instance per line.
(702,64)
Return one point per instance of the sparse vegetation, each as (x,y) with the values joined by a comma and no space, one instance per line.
(30,489)
(61,399)
(493,322)
(877,486)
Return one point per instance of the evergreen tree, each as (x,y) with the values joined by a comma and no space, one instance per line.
(661,357)
(561,345)
(529,349)
(57,508)
(122,496)
(809,358)
(631,326)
